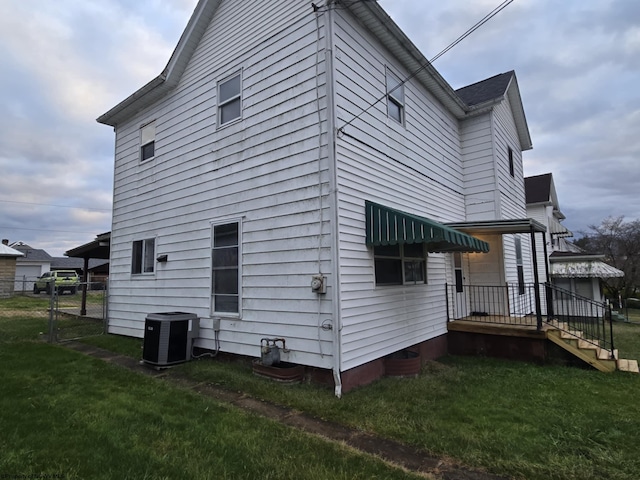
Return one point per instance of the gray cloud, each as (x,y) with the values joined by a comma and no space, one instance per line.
(66,62)
(578,67)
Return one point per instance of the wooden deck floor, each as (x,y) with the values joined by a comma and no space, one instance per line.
(500,325)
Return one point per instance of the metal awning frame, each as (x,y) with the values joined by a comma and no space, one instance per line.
(510,226)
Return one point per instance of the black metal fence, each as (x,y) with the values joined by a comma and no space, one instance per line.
(580,314)
(69,313)
(512,304)
(516,304)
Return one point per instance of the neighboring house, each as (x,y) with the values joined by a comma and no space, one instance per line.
(30,266)
(279,177)
(569,268)
(8,258)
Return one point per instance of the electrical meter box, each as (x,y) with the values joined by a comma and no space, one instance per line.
(168,337)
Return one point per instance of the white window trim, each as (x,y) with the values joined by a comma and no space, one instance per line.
(237,73)
(214,223)
(155,249)
(150,138)
(392,96)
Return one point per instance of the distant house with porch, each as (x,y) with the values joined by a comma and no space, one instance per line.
(569,268)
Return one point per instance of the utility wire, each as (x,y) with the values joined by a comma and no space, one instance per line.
(44,230)
(59,206)
(475,27)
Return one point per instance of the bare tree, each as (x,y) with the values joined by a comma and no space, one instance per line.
(619,241)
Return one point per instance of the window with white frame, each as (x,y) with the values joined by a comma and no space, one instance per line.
(148,141)
(400,264)
(395,98)
(230,99)
(519,266)
(225,268)
(143,256)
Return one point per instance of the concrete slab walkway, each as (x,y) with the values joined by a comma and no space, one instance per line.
(390,451)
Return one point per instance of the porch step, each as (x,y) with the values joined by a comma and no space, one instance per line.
(570,342)
(606,354)
(571,334)
(558,324)
(625,365)
(592,354)
(584,345)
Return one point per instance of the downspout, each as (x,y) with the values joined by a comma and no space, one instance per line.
(333,197)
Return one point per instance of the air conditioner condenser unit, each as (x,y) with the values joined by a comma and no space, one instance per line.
(168,337)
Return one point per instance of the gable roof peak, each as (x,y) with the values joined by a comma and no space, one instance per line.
(486,90)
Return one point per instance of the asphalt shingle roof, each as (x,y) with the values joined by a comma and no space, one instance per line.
(31,254)
(485,90)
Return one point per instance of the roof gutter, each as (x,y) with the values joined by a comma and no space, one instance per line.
(111,117)
(558,257)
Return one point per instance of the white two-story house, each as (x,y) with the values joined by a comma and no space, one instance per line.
(290,174)
(570,268)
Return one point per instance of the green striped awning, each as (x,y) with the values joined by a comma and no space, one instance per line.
(387,226)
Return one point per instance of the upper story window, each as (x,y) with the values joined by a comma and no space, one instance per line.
(395,98)
(230,99)
(400,264)
(143,256)
(511,171)
(148,141)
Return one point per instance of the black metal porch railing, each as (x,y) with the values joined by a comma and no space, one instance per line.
(591,318)
(511,304)
(515,304)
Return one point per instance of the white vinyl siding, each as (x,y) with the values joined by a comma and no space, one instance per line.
(263,167)
(479,168)
(417,169)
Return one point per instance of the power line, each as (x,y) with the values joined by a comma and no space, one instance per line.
(44,230)
(58,206)
(475,27)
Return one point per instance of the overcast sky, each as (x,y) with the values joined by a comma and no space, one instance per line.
(65,62)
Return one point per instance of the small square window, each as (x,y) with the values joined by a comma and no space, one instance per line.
(143,256)
(230,99)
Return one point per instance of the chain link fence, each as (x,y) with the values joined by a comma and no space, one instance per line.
(70,314)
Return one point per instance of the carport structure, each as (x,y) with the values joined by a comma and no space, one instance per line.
(99,248)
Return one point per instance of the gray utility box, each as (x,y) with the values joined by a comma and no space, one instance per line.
(168,337)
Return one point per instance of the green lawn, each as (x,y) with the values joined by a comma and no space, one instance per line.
(513,419)
(66,415)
